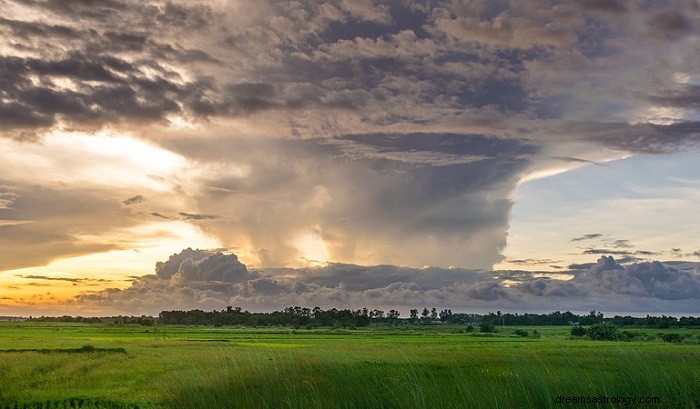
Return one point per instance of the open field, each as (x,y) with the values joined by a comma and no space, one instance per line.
(429,367)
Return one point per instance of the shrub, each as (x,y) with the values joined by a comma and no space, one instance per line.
(602,332)
(672,337)
(487,326)
(87,348)
(578,331)
(628,335)
(470,328)
(521,332)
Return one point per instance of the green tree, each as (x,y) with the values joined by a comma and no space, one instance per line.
(578,331)
(487,326)
(602,332)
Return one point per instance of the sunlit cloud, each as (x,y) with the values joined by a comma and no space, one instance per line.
(105,159)
(302,134)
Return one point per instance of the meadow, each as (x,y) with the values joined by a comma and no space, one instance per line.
(62,365)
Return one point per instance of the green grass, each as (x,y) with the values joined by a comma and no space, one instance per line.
(436,367)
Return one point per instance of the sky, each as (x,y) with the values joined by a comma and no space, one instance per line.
(523,155)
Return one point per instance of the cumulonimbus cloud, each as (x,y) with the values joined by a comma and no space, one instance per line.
(387,132)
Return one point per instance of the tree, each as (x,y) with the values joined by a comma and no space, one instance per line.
(425,313)
(578,331)
(433,314)
(602,332)
(414,314)
(487,326)
(445,315)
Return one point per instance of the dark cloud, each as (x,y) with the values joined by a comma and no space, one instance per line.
(670,23)
(99,97)
(620,252)
(115,73)
(576,160)
(27,30)
(607,6)
(607,251)
(134,200)
(325,68)
(162,216)
(194,216)
(67,279)
(647,138)
(687,97)
(185,216)
(532,262)
(479,146)
(621,244)
(87,8)
(588,236)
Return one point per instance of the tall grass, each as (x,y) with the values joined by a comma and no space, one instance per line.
(514,380)
(377,368)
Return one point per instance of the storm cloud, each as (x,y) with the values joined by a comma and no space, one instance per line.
(357,132)
(326,67)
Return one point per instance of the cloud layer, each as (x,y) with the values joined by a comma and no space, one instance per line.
(221,280)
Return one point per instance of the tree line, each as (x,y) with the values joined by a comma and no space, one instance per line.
(298,317)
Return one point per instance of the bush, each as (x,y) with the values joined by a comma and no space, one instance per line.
(603,332)
(521,332)
(578,331)
(628,335)
(672,337)
(87,348)
(470,328)
(487,326)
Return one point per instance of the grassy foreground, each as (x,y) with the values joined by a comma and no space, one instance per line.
(50,365)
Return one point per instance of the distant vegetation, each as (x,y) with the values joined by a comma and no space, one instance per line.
(303,317)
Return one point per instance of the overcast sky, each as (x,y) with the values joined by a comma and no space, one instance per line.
(466,154)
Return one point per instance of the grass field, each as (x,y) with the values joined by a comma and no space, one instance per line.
(57,365)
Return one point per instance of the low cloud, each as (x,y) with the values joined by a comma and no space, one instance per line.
(213,280)
(650,279)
